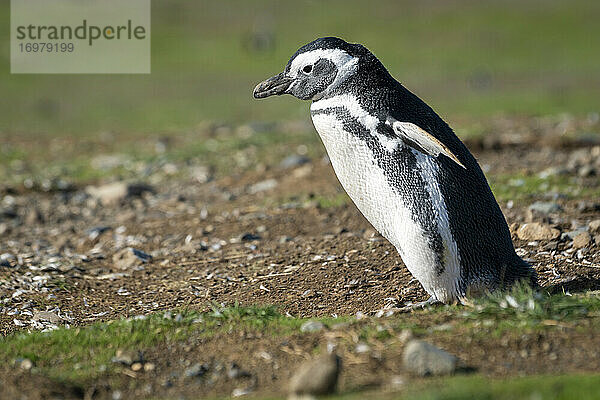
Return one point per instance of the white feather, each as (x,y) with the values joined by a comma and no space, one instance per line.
(429,171)
(367,185)
(422,138)
(350,103)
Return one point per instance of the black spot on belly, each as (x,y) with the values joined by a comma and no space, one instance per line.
(402,173)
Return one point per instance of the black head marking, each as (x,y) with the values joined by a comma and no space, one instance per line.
(316,69)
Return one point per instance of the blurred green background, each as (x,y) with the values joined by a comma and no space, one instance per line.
(468,59)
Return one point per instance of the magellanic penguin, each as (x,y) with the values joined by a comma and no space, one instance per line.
(405,169)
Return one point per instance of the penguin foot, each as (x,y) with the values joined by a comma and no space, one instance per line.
(418,306)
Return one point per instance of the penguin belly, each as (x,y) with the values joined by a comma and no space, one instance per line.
(390,211)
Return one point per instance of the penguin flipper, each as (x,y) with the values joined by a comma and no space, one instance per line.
(420,139)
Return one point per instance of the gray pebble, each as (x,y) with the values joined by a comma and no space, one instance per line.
(129,257)
(318,376)
(582,240)
(424,359)
(196,370)
(594,226)
(293,160)
(126,357)
(571,234)
(545,207)
(262,186)
(47,316)
(312,326)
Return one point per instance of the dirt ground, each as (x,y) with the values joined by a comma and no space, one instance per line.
(279,236)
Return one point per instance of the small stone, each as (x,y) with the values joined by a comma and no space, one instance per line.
(594,226)
(9,212)
(33,217)
(582,240)
(513,227)
(196,370)
(545,207)
(110,193)
(362,348)
(7,259)
(285,239)
(237,392)
(293,160)
(571,234)
(405,335)
(235,372)
(537,231)
(125,357)
(552,245)
(130,257)
(424,359)
(312,326)
(47,316)
(136,366)
(553,171)
(24,363)
(262,186)
(248,237)
(302,172)
(588,206)
(149,367)
(96,231)
(397,382)
(318,376)
(586,170)
(115,192)
(200,173)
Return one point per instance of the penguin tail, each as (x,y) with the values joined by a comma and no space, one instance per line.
(518,272)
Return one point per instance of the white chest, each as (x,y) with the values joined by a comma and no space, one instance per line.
(368,187)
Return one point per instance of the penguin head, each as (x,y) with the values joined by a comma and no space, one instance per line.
(315,70)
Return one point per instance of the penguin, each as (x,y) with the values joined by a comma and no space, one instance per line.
(405,170)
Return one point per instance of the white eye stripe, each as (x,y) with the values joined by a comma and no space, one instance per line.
(345,63)
(338,57)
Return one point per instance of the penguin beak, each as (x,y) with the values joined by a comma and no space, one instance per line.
(276,85)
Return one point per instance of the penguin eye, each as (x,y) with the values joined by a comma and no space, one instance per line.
(307,69)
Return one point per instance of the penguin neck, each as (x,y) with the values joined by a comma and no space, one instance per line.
(372,86)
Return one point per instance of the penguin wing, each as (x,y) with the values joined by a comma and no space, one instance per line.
(421,140)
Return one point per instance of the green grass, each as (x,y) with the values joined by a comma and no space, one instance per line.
(565,387)
(521,187)
(336,200)
(91,348)
(522,308)
(80,355)
(466,58)
(225,154)
(477,387)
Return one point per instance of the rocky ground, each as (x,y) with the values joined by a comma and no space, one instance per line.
(283,235)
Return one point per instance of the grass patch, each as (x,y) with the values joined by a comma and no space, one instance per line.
(535,387)
(80,355)
(47,163)
(521,187)
(561,387)
(332,201)
(525,307)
